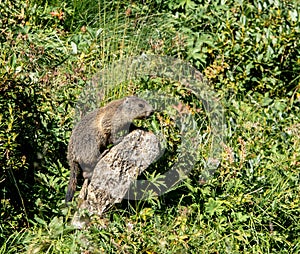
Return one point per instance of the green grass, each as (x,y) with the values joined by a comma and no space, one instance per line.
(250,54)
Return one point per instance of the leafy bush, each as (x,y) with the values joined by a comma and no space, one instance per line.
(35,119)
(243,46)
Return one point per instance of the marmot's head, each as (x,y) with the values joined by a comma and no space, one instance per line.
(136,108)
(128,109)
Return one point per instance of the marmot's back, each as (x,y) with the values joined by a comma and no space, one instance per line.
(96,130)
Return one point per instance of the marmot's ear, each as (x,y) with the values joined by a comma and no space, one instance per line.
(128,98)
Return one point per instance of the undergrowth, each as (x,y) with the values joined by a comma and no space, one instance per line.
(249,53)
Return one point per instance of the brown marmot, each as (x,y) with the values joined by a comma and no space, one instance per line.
(96,130)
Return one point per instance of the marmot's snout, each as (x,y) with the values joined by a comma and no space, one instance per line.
(149,113)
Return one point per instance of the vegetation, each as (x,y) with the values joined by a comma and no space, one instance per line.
(249,51)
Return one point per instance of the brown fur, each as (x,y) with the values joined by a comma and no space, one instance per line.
(96,130)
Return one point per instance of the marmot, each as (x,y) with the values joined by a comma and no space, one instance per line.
(96,130)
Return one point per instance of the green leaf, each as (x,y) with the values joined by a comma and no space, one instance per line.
(74,48)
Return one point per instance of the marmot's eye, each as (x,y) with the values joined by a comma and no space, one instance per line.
(141,105)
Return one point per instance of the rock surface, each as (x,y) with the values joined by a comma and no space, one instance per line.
(115,172)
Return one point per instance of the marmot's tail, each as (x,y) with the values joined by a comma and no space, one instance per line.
(73,181)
